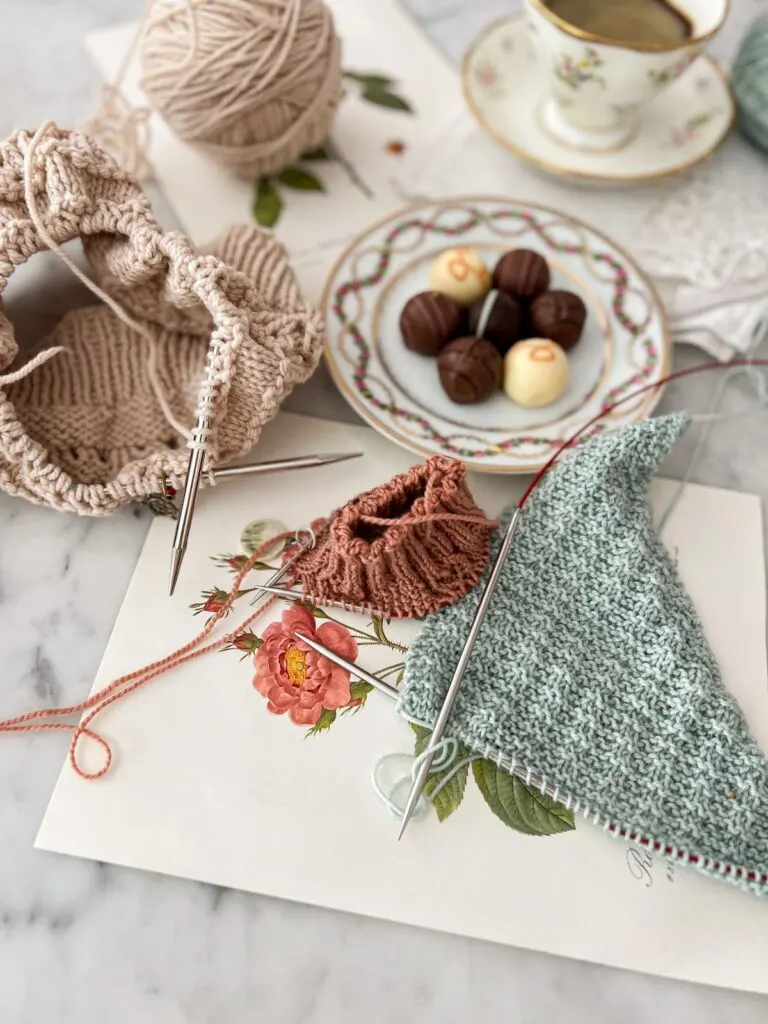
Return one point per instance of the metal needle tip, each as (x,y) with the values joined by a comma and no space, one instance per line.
(354,669)
(176,560)
(340,456)
(283,592)
(453,689)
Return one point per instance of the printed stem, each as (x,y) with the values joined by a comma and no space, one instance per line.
(390,670)
(337,155)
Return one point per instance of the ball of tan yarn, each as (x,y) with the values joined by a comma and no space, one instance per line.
(253,84)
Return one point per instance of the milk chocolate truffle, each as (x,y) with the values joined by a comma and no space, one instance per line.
(535,372)
(470,370)
(429,320)
(560,316)
(523,273)
(461,274)
(497,319)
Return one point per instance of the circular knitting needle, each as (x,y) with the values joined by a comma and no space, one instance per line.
(192,486)
(453,690)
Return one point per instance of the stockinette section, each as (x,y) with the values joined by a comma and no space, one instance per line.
(593,673)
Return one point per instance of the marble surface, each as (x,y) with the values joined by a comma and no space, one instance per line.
(82,941)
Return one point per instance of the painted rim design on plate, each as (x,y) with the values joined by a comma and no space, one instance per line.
(351,295)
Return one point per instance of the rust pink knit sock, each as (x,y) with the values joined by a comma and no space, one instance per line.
(404,549)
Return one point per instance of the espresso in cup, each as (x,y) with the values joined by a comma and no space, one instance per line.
(650,22)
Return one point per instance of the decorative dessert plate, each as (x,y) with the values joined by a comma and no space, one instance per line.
(681,127)
(625,343)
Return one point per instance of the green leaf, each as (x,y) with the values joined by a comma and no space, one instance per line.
(371,81)
(324,722)
(267,205)
(297,177)
(384,98)
(452,793)
(520,806)
(321,153)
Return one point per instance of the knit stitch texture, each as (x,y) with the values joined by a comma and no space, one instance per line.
(593,673)
(227,326)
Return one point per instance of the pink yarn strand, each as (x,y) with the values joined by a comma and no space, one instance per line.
(37,720)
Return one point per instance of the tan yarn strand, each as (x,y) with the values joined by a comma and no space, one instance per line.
(31,366)
(123,130)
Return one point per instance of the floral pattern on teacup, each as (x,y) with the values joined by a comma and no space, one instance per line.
(576,72)
(663,76)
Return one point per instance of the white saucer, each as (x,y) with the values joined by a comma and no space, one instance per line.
(682,126)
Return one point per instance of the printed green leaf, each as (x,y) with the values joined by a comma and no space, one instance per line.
(371,81)
(324,722)
(313,610)
(267,204)
(248,643)
(518,805)
(378,628)
(321,153)
(384,98)
(297,177)
(452,793)
(359,691)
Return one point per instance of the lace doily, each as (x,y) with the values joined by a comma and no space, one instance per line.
(710,229)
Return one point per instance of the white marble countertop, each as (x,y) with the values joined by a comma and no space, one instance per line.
(83,941)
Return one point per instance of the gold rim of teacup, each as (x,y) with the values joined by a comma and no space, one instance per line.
(591,37)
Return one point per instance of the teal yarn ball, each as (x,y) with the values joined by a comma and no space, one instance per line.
(750,83)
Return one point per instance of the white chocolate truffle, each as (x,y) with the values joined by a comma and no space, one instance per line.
(461,274)
(535,372)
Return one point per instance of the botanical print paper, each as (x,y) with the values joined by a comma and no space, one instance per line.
(210,784)
(397,89)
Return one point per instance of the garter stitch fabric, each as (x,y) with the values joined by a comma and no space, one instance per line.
(593,673)
(404,549)
(84,431)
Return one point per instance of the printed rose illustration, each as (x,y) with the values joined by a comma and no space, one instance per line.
(293,677)
(316,694)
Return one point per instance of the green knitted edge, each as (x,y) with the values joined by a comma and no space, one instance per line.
(751,881)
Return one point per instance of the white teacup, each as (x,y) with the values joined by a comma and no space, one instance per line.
(599,86)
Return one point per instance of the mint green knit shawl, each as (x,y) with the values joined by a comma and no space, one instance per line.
(593,673)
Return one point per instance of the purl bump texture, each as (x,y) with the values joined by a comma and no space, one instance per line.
(592,670)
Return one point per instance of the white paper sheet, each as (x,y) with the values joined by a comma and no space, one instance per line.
(377,38)
(208,785)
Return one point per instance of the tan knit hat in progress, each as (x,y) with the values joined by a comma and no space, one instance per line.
(102,422)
